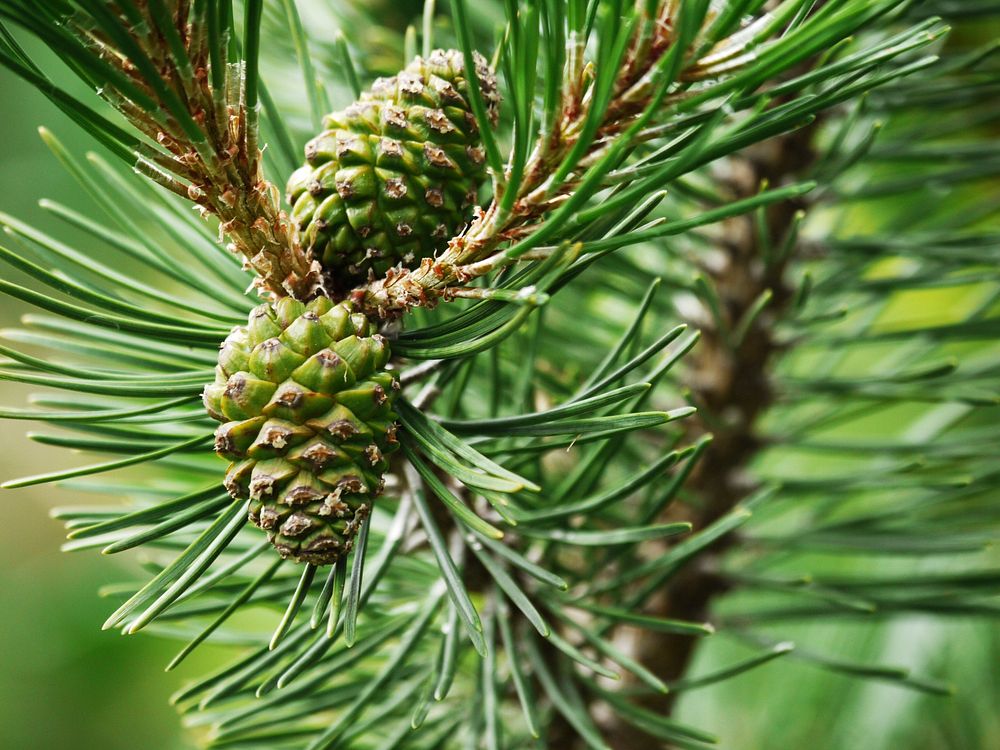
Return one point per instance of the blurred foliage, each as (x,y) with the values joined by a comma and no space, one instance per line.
(63,681)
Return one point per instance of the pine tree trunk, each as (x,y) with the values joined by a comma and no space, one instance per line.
(733,388)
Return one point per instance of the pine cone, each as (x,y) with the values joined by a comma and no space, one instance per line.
(308,423)
(395,174)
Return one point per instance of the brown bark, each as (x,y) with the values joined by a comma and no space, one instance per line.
(733,387)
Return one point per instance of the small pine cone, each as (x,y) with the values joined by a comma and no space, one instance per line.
(306,406)
(394,176)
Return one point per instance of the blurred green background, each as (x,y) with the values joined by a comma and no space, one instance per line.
(66,684)
(63,682)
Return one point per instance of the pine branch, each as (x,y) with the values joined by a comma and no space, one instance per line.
(168,68)
(592,124)
(553,492)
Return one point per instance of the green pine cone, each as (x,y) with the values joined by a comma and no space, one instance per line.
(394,176)
(306,406)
